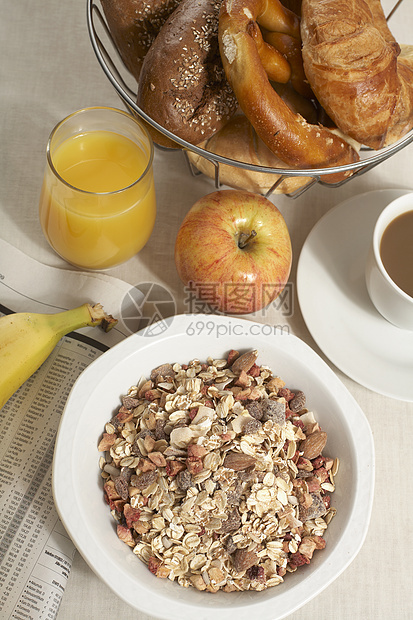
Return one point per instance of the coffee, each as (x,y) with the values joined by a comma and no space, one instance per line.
(396,251)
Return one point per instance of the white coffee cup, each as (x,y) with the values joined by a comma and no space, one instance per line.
(389,299)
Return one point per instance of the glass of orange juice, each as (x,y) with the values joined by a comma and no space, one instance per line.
(97,205)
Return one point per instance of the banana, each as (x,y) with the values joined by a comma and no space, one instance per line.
(27,339)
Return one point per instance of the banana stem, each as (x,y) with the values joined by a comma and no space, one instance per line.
(83,316)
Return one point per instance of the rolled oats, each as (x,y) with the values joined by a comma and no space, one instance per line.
(216,476)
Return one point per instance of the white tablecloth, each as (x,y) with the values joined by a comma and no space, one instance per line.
(48,70)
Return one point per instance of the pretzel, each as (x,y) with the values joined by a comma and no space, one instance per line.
(287,134)
(290,48)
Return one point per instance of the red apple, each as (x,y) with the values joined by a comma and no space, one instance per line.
(234,250)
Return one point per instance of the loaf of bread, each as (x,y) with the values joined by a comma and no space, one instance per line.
(239,141)
(182,84)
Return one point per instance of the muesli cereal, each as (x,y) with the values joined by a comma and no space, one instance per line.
(216,476)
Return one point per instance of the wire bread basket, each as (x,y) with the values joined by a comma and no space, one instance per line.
(126,87)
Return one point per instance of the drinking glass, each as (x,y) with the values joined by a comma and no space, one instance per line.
(97,206)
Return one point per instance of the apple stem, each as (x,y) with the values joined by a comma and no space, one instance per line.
(245,238)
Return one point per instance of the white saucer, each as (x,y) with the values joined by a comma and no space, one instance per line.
(335,304)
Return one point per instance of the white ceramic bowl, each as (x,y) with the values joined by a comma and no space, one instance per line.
(77,485)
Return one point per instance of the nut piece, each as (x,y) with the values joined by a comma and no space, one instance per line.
(129,402)
(244,362)
(157,458)
(174,467)
(238,461)
(194,465)
(197,451)
(164,370)
(106,442)
(198,582)
(131,515)
(232,356)
(314,444)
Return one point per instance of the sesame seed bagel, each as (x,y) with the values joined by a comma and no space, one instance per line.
(182,84)
(134,25)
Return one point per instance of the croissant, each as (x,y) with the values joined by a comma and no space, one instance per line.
(357,70)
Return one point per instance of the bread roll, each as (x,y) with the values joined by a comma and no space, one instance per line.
(182,84)
(239,141)
(134,25)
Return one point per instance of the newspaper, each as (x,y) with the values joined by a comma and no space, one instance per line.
(35,551)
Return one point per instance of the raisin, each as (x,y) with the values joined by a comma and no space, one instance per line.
(184,480)
(256,573)
(116,423)
(229,545)
(317,508)
(121,487)
(297,403)
(145,433)
(248,475)
(135,450)
(144,480)
(233,522)
(234,493)
(298,559)
(244,559)
(126,473)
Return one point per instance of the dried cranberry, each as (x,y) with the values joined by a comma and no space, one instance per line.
(256,573)
(298,559)
(286,393)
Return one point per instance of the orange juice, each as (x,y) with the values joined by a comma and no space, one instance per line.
(99,209)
